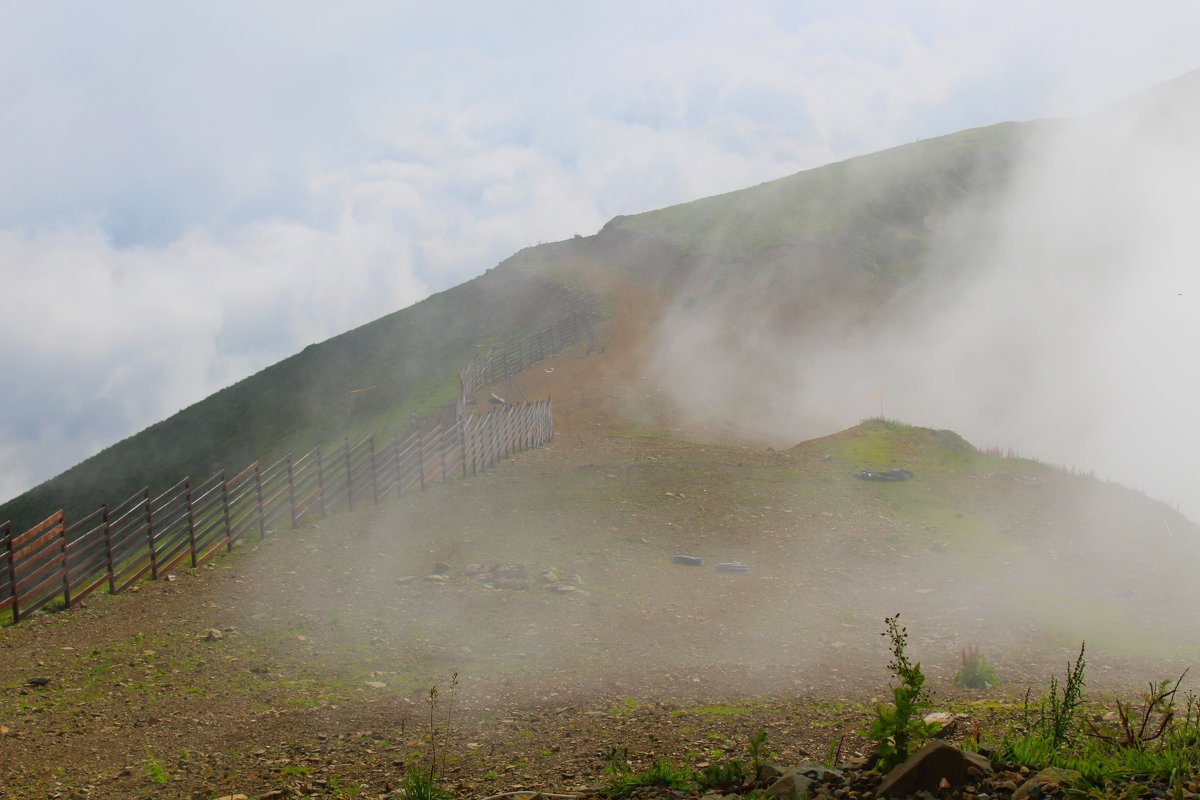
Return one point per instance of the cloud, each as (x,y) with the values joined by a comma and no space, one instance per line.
(1059,321)
(206,189)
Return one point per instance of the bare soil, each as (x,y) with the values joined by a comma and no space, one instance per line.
(301,664)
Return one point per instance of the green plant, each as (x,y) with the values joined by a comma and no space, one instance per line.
(420,785)
(155,772)
(661,773)
(976,672)
(897,729)
(725,776)
(758,751)
(1057,721)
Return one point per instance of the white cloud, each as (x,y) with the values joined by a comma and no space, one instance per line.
(220,184)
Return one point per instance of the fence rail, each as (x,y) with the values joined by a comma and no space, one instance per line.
(148,535)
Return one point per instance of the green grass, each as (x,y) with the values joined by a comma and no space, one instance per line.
(411,357)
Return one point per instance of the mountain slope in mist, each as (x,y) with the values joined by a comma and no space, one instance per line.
(1029,285)
(405,365)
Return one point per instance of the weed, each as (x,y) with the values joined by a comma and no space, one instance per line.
(758,751)
(1057,721)
(155,773)
(294,771)
(661,773)
(1158,711)
(899,728)
(420,785)
(976,672)
(730,775)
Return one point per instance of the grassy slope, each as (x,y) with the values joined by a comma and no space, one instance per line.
(411,357)
(874,212)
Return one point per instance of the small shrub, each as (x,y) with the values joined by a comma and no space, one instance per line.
(976,672)
(758,751)
(898,729)
(729,775)
(155,773)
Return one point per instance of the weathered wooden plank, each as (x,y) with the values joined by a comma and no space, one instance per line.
(54,519)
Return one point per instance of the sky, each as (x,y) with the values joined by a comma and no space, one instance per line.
(193,191)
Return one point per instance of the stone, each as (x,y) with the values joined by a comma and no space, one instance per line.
(234,797)
(792,785)
(515,584)
(510,571)
(377,684)
(925,769)
(548,576)
(946,721)
(213,635)
(5,731)
(440,568)
(276,794)
(38,682)
(1048,781)
(768,773)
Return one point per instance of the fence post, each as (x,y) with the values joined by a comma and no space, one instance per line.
(462,442)
(421,456)
(320,483)
(262,523)
(225,509)
(399,465)
(108,559)
(291,490)
(191,519)
(374,472)
(441,441)
(150,536)
(12,569)
(66,567)
(349,478)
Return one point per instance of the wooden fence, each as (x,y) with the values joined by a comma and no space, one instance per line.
(191,522)
(514,357)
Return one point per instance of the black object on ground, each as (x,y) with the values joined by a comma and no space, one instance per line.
(733,567)
(688,561)
(886,475)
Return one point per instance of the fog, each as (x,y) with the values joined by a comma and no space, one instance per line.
(1057,319)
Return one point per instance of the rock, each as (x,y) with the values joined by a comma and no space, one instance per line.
(925,769)
(768,773)
(510,571)
(688,561)
(277,794)
(792,785)
(440,568)
(514,584)
(435,578)
(562,588)
(5,731)
(946,721)
(548,576)
(234,797)
(213,635)
(1054,777)
(38,682)
(377,684)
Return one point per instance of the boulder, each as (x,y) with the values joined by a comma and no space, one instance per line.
(927,769)
(792,785)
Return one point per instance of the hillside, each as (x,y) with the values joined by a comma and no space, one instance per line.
(407,362)
(299,665)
